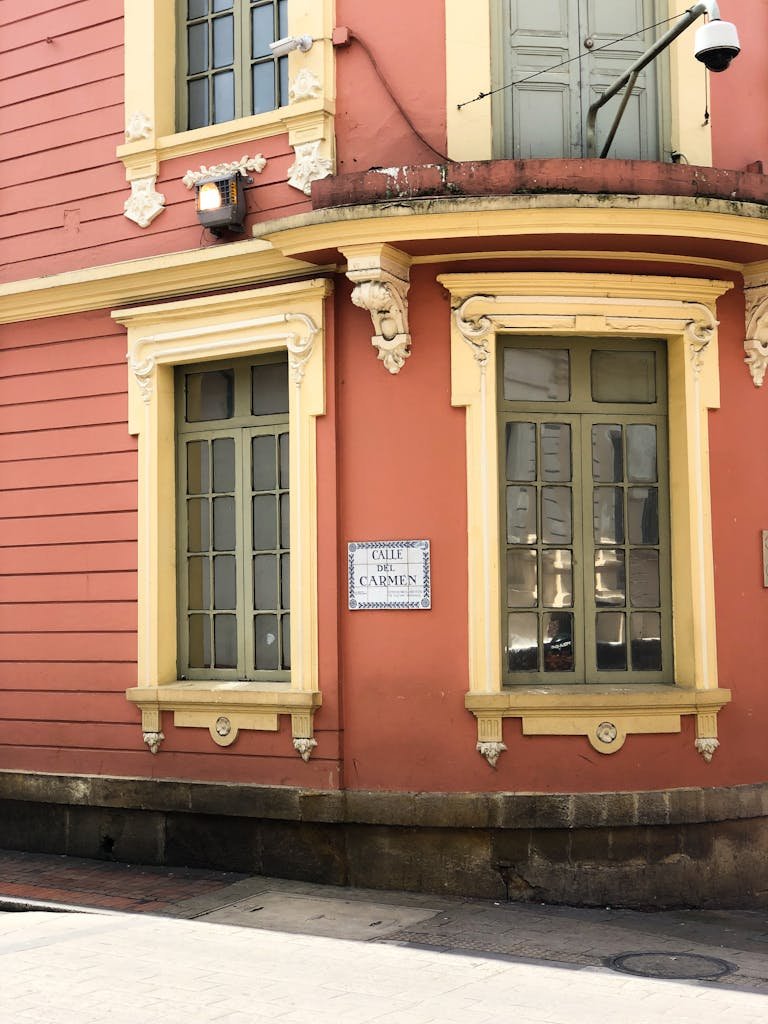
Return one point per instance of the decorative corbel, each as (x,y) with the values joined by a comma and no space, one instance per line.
(706,741)
(756,324)
(381,275)
(310,165)
(490,742)
(144,202)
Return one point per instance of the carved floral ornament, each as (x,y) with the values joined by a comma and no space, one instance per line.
(381,279)
(144,202)
(243,166)
(477,328)
(756,336)
(298,343)
(310,165)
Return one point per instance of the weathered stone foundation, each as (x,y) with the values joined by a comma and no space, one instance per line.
(684,847)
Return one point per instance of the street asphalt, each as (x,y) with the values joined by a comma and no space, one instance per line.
(92,942)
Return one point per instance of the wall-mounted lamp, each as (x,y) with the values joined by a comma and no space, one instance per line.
(290,43)
(220,203)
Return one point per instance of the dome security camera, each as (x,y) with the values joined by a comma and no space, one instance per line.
(716,44)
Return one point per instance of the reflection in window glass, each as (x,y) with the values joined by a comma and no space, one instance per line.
(521,451)
(558,642)
(521,515)
(522,642)
(556,452)
(623,376)
(522,589)
(611,641)
(537,375)
(210,395)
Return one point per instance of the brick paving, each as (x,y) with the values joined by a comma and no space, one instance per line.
(107,885)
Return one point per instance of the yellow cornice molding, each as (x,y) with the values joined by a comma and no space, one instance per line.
(180,273)
(593,286)
(582,256)
(513,216)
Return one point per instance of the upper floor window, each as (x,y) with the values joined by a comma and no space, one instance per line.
(227,70)
(560,42)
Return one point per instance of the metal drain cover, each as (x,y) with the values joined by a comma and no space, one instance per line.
(671,965)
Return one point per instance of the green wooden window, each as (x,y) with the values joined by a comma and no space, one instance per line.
(233,521)
(227,69)
(551,56)
(585,512)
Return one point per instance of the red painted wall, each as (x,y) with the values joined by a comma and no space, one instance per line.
(61,113)
(738,95)
(407,43)
(68,574)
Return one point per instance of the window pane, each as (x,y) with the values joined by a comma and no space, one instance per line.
(285,581)
(225,641)
(222,5)
(224,524)
(223,464)
(521,515)
(608,515)
(265,641)
(610,634)
(282,74)
(536,375)
(263,465)
(197,48)
(610,577)
(282,19)
(198,527)
(263,85)
(198,583)
(197,467)
(646,641)
(269,389)
(623,376)
(197,103)
(285,520)
(555,452)
(643,515)
(284,463)
(522,589)
(224,582)
(264,523)
(223,97)
(556,526)
(262,30)
(558,642)
(521,451)
(607,459)
(641,453)
(265,582)
(285,625)
(557,578)
(210,395)
(522,642)
(223,41)
(644,590)
(199,641)
(197,8)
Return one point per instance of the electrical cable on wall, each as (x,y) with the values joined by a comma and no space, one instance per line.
(382,78)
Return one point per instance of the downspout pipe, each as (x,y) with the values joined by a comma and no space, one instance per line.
(628,78)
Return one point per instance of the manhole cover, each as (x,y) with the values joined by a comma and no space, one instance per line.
(671,965)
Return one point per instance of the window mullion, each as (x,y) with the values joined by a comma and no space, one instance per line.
(243,60)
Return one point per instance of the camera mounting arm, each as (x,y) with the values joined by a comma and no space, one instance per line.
(629,77)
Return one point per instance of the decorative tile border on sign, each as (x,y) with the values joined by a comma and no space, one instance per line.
(389,574)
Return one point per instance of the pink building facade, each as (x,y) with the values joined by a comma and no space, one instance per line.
(409,535)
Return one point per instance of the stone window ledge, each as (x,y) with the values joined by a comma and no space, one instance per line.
(605,716)
(226,707)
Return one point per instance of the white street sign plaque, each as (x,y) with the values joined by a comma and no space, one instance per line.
(389,574)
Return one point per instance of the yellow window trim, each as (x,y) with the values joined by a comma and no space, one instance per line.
(150,89)
(468,73)
(680,310)
(287,317)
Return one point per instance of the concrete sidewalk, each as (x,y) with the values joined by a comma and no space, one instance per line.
(219,947)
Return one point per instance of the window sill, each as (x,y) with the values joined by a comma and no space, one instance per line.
(306,121)
(224,708)
(605,715)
